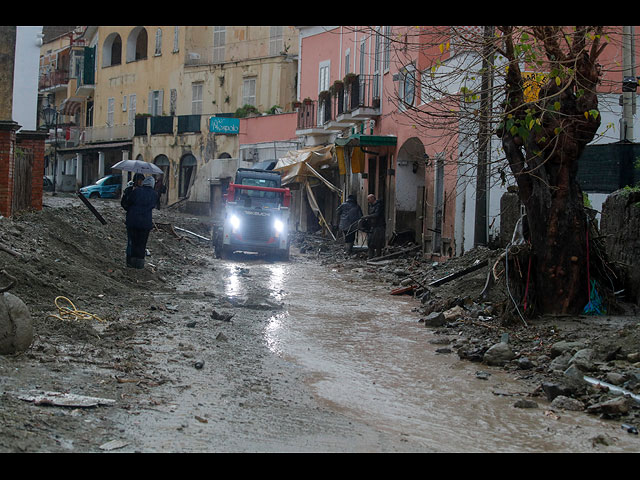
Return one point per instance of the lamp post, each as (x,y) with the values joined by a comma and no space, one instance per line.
(50,116)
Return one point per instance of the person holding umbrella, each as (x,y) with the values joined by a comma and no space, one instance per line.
(139,204)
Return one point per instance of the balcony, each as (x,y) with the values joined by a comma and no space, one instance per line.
(166,125)
(57,79)
(347,103)
(106,134)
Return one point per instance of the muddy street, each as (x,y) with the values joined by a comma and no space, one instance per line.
(199,354)
(319,360)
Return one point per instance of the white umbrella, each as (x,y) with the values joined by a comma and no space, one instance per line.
(137,166)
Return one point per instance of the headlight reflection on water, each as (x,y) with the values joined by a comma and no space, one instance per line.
(273,332)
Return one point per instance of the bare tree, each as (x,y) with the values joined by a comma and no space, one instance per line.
(526,101)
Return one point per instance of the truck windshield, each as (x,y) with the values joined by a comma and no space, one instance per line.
(259,182)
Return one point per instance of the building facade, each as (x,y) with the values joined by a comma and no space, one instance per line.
(154,90)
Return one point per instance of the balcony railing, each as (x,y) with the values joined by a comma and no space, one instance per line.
(53,79)
(307,115)
(361,95)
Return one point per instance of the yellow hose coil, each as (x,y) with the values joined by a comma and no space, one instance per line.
(66,312)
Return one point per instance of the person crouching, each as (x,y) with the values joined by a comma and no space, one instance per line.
(139,221)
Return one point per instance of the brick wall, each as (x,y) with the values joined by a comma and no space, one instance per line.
(7,150)
(34,141)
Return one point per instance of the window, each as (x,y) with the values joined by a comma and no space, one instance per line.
(124,103)
(387,49)
(347,61)
(176,30)
(158,42)
(132,108)
(249,91)
(155,102)
(219,42)
(111,103)
(323,75)
(363,50)
(196,98)
(376,65)
(407,86)
(276,44)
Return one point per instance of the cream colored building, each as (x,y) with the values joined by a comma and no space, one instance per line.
(163,83)
(155,89)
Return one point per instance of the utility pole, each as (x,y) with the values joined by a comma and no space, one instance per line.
(481,230)
(629,78)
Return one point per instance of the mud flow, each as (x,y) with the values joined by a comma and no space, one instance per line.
(366,356)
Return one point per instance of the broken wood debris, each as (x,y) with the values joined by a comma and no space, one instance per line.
(92,208)
(465,271)
(373,261)
(58,399)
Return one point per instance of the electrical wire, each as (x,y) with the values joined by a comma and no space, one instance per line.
(65,312)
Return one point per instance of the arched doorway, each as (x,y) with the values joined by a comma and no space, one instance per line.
(410,191)
(187,174)
(163,180)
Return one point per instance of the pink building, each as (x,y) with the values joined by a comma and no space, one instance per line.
(351,83)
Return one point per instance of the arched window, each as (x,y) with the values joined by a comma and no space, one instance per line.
(137,44)
(112,50)
(188,165)
(163,162)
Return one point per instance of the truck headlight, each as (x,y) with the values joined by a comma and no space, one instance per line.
(278,225)
(234,221)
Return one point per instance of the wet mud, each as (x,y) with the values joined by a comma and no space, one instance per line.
(250,355)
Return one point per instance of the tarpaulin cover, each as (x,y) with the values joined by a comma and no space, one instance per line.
(293,166)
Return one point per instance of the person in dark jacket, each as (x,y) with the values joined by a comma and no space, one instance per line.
(376,223)
(139,205)
(349,213)
(138,178)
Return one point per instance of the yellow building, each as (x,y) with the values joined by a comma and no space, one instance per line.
(156,88)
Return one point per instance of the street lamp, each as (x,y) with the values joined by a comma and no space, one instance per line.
(50,116)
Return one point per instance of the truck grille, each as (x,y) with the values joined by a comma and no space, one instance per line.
(257,228)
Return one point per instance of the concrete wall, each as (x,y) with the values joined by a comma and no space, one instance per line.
(620,224)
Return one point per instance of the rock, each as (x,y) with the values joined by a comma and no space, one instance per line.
(524,403)
(453,313)
(567,403)
(583,359)
(16,326)
(560,363)
(524,363)
(443,350)
(633,357)
(615,378)
(472,353)
(615,406)
(434,319)
(563,346)
(498,355)
(552,390)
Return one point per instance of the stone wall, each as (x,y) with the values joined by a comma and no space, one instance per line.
(620,224)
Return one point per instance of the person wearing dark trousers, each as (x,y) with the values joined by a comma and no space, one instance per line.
(139,205)
(376,223)
(349,213)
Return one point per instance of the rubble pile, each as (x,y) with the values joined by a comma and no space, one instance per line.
(589,363)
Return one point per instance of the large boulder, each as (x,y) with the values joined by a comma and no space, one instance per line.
(16,326)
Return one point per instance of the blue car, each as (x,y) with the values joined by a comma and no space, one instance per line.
(107,187)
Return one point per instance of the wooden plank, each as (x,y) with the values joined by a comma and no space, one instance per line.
(92,208)
(459,274)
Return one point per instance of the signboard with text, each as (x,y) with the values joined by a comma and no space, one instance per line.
(224,125)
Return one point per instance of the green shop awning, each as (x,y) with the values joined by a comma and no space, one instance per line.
(361,140)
